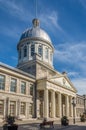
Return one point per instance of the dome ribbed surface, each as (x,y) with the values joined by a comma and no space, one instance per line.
(35,32)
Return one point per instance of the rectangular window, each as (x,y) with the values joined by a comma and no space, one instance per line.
(31,109)
(46,53)
(51,57)
(22,112)
(1,107)
(23,87)
(13,85)
(19,54)
(2,82)
(32,49)
(25,51)
(12,108)
(31,89)
(40,50)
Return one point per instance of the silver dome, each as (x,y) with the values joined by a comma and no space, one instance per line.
(35,32)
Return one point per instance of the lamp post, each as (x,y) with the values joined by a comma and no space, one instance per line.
(74,104)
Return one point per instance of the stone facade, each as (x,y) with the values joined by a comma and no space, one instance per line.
(12,101)
(35,89)
(80,105)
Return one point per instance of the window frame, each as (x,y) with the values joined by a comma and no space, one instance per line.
(12,108)
(40,50)
(23,87)
(19,53)
(32,49)
(2,82)
(51,56)
(46,53)
(25,51)
(22,108)
(31,89)
(13,85)
(31,109)
(1,109)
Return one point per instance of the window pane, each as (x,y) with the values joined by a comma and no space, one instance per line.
(22,108)
(40,50)
(13,85)
(46,53)
(23,87)
(31,89)
(2,82)
(25,51)
(51,57)
(1,107)
(20,54)
(32,50)
(12,108)
(31,109)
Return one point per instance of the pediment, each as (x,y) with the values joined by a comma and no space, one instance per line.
(63,81)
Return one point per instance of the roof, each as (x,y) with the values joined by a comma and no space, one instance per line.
(16,70)
(35,32)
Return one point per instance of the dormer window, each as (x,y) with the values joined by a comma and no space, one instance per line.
(32,49)
(25,51)
(40,50)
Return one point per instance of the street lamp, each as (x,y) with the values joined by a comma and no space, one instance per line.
(74,104)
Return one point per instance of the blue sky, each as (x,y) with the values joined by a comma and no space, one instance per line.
(63,20)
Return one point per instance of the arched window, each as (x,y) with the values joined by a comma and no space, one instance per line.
(46,53)
(32,49)
(25,51)
(40,50)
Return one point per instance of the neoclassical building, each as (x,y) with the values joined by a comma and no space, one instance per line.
(34,89)
(80,105)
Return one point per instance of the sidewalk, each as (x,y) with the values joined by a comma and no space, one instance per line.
(34,125)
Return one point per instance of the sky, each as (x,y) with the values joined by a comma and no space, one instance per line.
(65,23)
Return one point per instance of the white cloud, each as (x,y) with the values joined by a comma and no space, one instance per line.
(50,18)
(16,9)
(10,31)
(73,74)
(83,3)
(71,53)
(80,85)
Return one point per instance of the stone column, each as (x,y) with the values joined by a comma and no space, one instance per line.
(67,105)
(59,105)
(53,104)
(46,104)
(18,108)
(4,108)
(26,111)
(71,107)
(8,106)
(75,111)
(37,105)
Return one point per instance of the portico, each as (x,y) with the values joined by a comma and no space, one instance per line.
(53,103)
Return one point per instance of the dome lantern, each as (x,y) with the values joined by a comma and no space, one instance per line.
(36,22)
